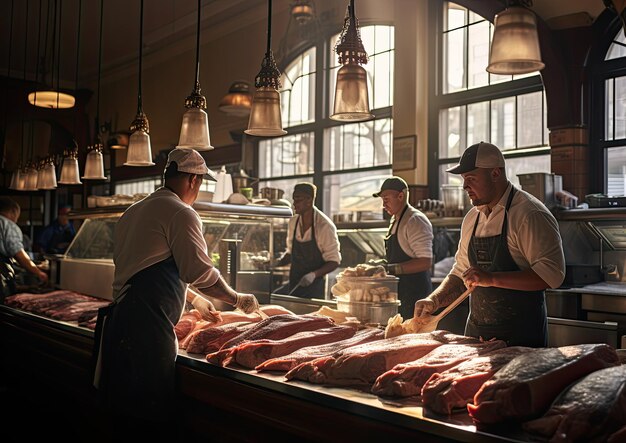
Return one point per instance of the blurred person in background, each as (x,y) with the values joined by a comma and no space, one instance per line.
(58,235)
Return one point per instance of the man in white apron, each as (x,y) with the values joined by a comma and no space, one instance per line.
(159,249)
(510,251)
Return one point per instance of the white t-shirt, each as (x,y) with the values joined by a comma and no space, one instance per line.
(155,228)
(415,233)
(533,236)
(325,235)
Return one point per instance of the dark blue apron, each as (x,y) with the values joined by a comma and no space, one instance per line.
(517,317)
(306,257)
(411,287)
(138,347)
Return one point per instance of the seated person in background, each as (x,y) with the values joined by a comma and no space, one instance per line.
(57,236)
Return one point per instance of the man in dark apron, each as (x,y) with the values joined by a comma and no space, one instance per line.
(312,246)
(510,251)
(408,244)
(58,235)
(159,249)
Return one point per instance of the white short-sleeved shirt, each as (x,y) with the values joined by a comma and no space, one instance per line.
(11,238)
(155,228)
(415,233)
(533,236)
(325,235)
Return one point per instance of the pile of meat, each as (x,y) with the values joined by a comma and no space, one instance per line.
(565,394)
(60,305)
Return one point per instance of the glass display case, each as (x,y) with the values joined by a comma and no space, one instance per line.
(240,241)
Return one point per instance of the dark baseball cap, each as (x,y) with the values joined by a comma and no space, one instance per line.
(393,183)
(480,155)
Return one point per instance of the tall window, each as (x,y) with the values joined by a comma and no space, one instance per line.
(611,88)
(349,161)
(474,105)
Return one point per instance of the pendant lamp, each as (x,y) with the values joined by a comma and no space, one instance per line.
(94,165)
(47,175)
(238,101)
(16,175)
(194,132)
(265,115)
(18,180)
(30,183)
(515,43)
(351,95)
(49,98)
(303,11)
(139,149)
(70,174)
(22,172)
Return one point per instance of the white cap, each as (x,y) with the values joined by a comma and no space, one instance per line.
(190,161)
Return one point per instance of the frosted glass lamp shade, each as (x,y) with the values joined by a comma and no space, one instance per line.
(18,180)
(47,177)
(351,96)
(69,172)
(39,178)
(31,180)
(139,150)
(94,166)
(238,101)
(515,43)
(194,132)
(265,117)
(51,99)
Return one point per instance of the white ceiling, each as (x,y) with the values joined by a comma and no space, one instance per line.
(165,22)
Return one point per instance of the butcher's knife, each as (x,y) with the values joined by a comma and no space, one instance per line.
(294,288)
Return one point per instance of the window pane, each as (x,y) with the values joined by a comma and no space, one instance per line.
(382,93)
(455,17)
(477,123)
(503,123)
(452,132)
(620,108)
(530,120)
(478,54)
(298,90)
(358,145)
(454,61)
(288,155)
(616,171)
(352,192)
(609,109)
(618,47)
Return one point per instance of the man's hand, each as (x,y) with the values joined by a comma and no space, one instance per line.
(42,276)
(475,276)
(307,279)
(424,308)
(206,309)
(246,303)
(394,268)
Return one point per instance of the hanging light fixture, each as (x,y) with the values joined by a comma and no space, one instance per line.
(47,178)
(238,101)
(515,43)
(119,140)
(30,183)
(94,165)
(303,11)
(49,98)
(265,115)
(70,174)
(194,132)
(19,184)
(351,96)
(139,149)
(16,175)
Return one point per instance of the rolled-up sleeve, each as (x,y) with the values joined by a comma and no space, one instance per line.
(327,240)
(13,242)
(539,241)
(419,235)
(190,250)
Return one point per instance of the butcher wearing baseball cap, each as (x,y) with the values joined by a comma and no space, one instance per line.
(480,155)
(189,161)
(394,183)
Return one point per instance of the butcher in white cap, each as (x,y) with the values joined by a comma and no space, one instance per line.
(159,251)
(509,252)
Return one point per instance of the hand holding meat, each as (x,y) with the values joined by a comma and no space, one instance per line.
(247,303)
(423,309)
(206,309)
(475,276)
(307,279)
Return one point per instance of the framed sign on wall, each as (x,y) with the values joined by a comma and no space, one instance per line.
(404,152)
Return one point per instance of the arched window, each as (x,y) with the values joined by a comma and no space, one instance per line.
(347,161)
(608,130)
(472,105)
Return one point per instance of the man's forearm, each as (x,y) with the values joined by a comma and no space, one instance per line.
(222,291)
(448,291)
(327,267)
(25,262)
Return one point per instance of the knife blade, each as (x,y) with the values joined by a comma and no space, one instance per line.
(294,288)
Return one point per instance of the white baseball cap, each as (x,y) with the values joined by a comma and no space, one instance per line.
(480,155)
(190,161)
